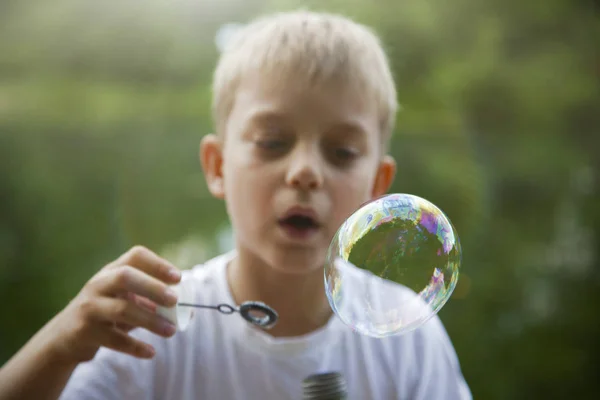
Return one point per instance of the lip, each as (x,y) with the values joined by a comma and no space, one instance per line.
(299,235)
(303,212)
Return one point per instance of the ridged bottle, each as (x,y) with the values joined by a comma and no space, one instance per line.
(324,386)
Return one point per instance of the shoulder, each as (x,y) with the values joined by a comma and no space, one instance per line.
(430,356)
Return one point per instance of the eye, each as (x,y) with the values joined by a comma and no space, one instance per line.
(271,144)
(344,155)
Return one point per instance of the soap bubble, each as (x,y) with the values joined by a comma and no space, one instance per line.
(392,265)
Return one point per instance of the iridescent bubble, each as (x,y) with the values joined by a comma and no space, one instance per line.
(392,265)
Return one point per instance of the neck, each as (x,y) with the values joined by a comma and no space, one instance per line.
(299,299)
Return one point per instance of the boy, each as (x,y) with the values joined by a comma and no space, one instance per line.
(304,105)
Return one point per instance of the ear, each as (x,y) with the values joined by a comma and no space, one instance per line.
(211,158)
(385,176)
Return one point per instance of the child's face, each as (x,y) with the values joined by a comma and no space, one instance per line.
(295,163)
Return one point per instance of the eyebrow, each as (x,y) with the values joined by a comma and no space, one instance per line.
(265,116)
(348,129)
(262,118)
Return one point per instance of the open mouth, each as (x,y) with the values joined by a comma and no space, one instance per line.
(299,222)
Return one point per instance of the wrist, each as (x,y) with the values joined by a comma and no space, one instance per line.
(55,346)
(56,354)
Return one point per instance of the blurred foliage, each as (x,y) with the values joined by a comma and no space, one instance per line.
(103,104)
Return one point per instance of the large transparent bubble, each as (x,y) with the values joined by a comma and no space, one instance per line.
(392,265)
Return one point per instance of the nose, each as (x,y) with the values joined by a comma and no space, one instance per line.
(305,170)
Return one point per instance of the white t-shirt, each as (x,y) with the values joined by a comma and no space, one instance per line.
(223,357)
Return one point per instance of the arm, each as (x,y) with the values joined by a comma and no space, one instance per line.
(35,372)
(122,296)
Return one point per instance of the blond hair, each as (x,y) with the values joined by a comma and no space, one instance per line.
(310,46)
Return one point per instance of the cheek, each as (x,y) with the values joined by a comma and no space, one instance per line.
(247,195)
(349,194)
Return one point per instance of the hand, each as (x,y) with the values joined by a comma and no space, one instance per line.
(121,296)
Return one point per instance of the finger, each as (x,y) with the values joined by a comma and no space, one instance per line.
(122,342)
(129,297)
(117,281)
(145,303)
(153,265)
(126,313)
(124,327)
(139,300)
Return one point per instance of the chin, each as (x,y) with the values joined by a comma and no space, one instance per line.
(297,261)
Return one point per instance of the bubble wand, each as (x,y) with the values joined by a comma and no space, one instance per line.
(180,315)
(255,312)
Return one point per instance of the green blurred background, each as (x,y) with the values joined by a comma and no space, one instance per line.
(103,104)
